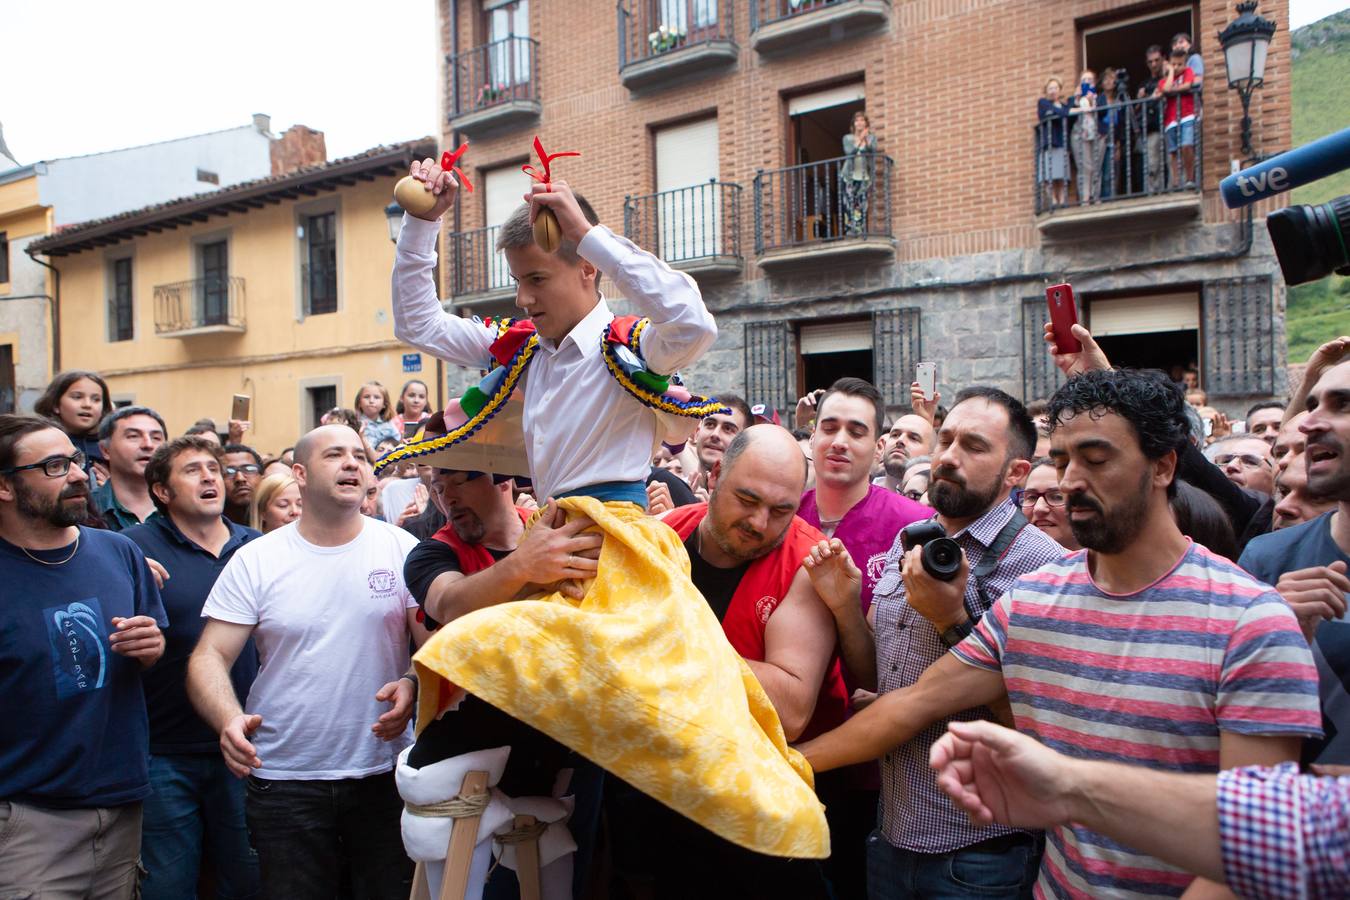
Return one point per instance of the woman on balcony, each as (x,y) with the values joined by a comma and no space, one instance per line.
(1085,140)
(1109,121)
(1052,156)
(855,174)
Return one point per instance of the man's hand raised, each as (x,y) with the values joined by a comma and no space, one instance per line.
(439,182)
(1091,357)
(557,196)
(241,757)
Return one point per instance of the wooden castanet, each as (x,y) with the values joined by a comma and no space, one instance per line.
(413,196)
(547,232)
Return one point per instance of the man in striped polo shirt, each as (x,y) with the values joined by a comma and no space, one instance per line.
(1143,648)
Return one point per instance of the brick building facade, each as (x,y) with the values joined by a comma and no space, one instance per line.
(951,256)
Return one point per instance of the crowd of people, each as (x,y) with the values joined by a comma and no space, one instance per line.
(206,659)
(1122,142)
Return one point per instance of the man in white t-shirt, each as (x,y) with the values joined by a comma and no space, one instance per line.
(324,600)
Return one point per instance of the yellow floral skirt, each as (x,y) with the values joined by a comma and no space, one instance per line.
(639,678)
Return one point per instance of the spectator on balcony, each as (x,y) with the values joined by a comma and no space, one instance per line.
(1149,122)
(1052,153)
(1110,127)
(1194,61)
(1084,140)
(855,174)
(1179,119)
(412,406)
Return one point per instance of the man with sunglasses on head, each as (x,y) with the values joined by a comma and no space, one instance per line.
(128,439)
(81,620)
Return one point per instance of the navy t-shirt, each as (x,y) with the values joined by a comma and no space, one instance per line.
(1302,547)
(175,726)
(75,731)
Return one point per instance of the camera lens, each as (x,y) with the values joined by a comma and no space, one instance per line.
(1311,241)
(942,558)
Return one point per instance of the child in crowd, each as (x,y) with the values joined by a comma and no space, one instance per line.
(79,401)
(1179,119)
(373,406)
(412,406)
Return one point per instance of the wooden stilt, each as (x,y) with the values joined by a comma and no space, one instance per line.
(527,862)
(463,838)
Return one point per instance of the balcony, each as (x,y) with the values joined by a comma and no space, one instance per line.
(479,275)
(494,87)
(1139,184)
(833,210)
(669,41)
(779,26)
(695,229)
(200,306)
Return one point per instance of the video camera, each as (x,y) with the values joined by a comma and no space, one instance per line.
(1310,242)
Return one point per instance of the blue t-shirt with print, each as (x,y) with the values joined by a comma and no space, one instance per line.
(1301,547)
(75,729)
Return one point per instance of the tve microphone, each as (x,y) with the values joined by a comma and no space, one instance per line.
(1310,162)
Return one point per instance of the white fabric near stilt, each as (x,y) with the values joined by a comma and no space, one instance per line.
(427,837)
(556,841)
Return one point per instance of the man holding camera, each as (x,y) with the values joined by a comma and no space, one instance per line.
(923,608)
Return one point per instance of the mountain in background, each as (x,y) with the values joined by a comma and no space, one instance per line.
(1319,311)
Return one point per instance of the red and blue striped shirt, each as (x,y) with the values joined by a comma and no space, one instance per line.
(1149,678)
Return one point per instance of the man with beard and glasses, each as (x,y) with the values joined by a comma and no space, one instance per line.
(482,557)
(925,847)
(746,549)
(1307,563)
(196,811)
(865,517)
(81,620)
(1143,648)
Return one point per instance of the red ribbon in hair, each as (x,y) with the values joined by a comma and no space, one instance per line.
(448,161)
(545,159)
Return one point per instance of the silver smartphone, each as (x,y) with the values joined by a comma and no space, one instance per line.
(925,373)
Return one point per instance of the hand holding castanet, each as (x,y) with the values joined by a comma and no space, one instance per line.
(429,188)
(548,233)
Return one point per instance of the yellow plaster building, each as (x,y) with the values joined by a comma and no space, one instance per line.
(25,292)
(276,288)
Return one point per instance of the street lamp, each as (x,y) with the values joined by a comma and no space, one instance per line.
(393,214)
(1245,42)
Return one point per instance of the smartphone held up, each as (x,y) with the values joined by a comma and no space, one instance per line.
(1063,316)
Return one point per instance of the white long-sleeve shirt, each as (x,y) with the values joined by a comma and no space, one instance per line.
(581,427)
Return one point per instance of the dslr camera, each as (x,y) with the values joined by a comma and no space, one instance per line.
(941,555)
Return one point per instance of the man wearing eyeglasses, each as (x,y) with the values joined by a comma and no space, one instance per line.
(81,619)
(1246,461)
(128,439)
(242,467)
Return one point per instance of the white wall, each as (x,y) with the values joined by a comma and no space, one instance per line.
(81,188)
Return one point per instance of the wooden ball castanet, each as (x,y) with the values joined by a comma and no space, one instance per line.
(547,232)
(413,196)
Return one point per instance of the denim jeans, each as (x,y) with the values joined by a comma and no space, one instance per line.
(1004,868)
(195,804)
(313,836)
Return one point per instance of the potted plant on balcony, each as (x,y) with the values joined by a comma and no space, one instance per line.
(665,38)
(489,94)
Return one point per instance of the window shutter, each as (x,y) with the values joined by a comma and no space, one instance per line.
(1239,337)
(895,352)
(1040,376)
(766,364)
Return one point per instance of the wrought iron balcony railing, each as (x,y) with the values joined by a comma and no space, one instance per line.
(688,225)
(847,198)
(493,74)
(1128,152)
(476,267)
(653,28)
(200,305)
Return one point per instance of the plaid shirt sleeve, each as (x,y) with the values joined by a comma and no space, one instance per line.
(1284,834)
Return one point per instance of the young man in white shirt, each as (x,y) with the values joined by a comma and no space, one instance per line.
(326,605)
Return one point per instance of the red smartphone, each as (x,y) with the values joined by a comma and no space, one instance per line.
(1063,315)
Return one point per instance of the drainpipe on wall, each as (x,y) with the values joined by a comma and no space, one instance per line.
(55,300)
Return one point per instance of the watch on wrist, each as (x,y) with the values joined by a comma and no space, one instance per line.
(957,633)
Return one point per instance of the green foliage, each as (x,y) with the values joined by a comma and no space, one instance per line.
(1320,311)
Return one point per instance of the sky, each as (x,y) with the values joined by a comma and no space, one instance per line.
(83,76)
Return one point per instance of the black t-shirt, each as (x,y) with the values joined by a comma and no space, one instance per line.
(716,585)
(428,560)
